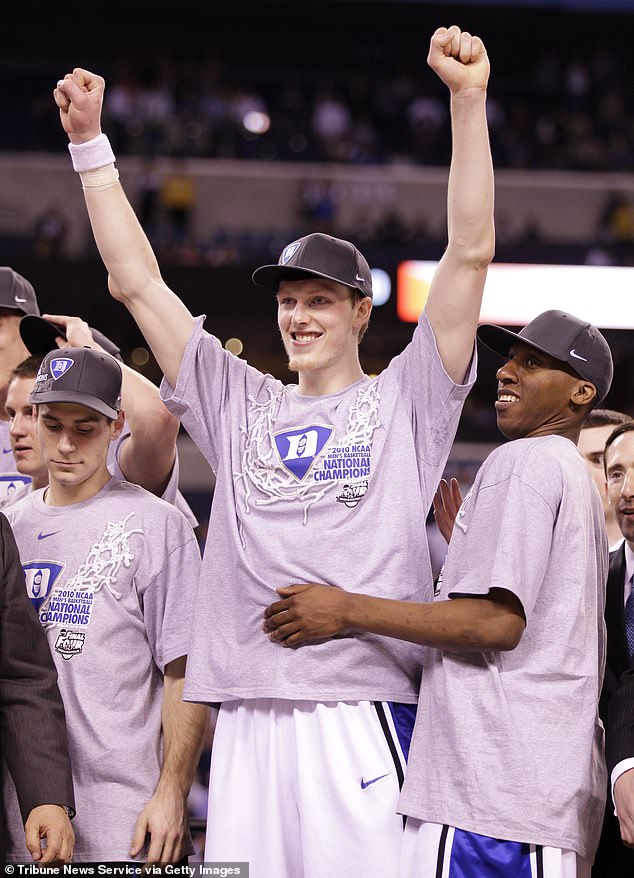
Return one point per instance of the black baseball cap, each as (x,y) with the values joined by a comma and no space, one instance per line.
(16,292)
(564,337)
(39,336)
(318,255)
(80,375)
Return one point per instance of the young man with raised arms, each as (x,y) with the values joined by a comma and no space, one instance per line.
(309,750)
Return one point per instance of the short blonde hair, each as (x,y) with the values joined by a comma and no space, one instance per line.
(356,296)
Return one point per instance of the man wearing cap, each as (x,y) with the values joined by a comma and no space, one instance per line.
(506,775)
(17,298)
(111,570)
(37,337)
(146,452)
(326,480)
(28,698)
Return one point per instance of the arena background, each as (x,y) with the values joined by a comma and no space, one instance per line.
(239,127)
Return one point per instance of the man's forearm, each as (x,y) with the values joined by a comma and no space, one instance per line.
(147,457)
(462,624)
(164,820)
(122,243)
(184,728)
(455,295)
(471,186)
(311,612)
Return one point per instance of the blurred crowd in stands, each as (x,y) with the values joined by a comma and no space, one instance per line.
(570,111)
(302,89)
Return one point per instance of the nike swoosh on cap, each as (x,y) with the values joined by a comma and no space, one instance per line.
(18,299)
(577,357)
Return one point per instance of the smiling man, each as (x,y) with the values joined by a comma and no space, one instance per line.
(506,774)
(307,758)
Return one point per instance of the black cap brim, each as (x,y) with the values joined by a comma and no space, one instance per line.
(77,398)
(501,340)
(270,276)
(40,336)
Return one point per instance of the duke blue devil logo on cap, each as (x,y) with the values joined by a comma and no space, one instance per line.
(59,366)
(289,251)
(298,449)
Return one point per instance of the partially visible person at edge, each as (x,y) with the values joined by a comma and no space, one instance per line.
(615,855)
(33,740)
(595,431)
(17,299)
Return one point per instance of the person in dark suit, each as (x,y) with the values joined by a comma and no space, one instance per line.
(620,759)
(617,697)
(32,721)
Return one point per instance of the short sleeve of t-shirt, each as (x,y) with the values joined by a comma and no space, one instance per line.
(168,597)
(504,529)
(435,400)
(211,382)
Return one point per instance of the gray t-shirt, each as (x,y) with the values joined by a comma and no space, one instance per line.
(331,489)
(113,580)
(509,744)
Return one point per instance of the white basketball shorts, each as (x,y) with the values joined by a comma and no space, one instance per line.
(304,789)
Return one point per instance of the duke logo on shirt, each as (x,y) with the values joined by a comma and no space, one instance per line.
(298,449)
(40,578)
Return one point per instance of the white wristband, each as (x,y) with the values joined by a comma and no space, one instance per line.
(93,154)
